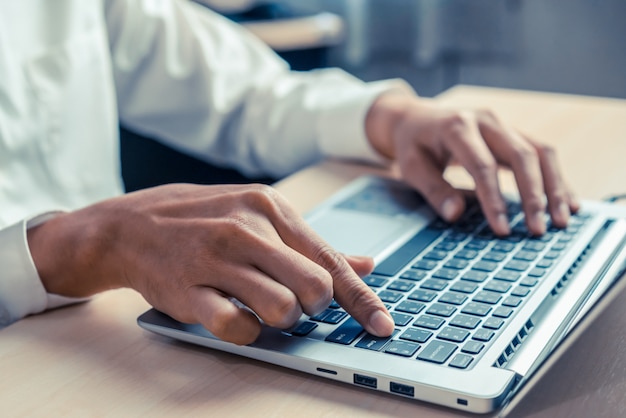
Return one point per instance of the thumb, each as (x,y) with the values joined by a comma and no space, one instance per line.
(426,177)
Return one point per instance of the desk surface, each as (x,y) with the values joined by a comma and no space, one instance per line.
(93,360)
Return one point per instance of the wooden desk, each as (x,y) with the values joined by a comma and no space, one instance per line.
(92,359)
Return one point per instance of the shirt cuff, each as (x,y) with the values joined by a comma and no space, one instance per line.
(21,291)
(342,128)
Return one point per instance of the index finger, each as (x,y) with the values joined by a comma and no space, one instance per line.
(349,289)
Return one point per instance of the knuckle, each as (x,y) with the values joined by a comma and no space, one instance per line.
(546,151)
(524,153)
(285,310)
(535,204)
(264,197)
(488,116)
(221,323)
(331,261)
(483,168)
(457,123)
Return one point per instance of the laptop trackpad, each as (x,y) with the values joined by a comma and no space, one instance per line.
(359,233)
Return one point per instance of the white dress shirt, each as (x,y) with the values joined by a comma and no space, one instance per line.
(70,70)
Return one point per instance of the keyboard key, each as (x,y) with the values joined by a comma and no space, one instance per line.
(416,335)
(446,245)
(464,287)
(334,317)
(430,322)
(476,308)
(517,265)
(437,351)
(465,321)
(559,246)
(402,348)
(520,291)
(534,246)
(456,335)
(446,274)
(467,254)
(502,312)
(423,295)
(473,347)
(483,335)
(415,275)
(437,255)
(525,255)
(552,255)
(495,256)
(410,307)
(486,296)
(401,285)
(512,301)
(390,296)
(441,309)
(461,361)
(434,284)
(346,333)
(456,236)
(456,263)
(475,276)
(304,329)
(507,275)
(396,261)
(477,244)
(537,272)
(497,286)
(425,264)
(493,323)
(528,282)
(504,247)
(372,342)
(334,304)
(374,281)
(400,319)
(320,316)
(544,263)
(487,266)
(453,298)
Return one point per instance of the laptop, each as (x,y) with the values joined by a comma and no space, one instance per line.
(478,318)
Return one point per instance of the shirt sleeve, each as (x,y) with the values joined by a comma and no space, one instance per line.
(206,86)
(21,290)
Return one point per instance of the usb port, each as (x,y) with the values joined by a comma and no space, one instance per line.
(368,381)
(402,389)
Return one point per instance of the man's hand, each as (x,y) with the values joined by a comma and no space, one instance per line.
(423,138)
(190,249)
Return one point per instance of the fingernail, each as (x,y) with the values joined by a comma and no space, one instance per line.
(502,224)
(449,209)
(564,213)
(538,223)
(381,324)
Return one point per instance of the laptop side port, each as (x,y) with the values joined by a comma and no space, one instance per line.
(363,380)
(401,389)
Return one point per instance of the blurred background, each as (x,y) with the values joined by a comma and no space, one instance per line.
(573,46)
(566,46)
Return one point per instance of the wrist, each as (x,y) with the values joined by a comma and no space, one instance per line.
(384,116)
(67,254)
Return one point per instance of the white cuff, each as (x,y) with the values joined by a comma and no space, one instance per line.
(21,290)
(342,129)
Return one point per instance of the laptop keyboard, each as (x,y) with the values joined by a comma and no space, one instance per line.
(452,287)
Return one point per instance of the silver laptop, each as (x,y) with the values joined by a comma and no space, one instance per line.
(476,316)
